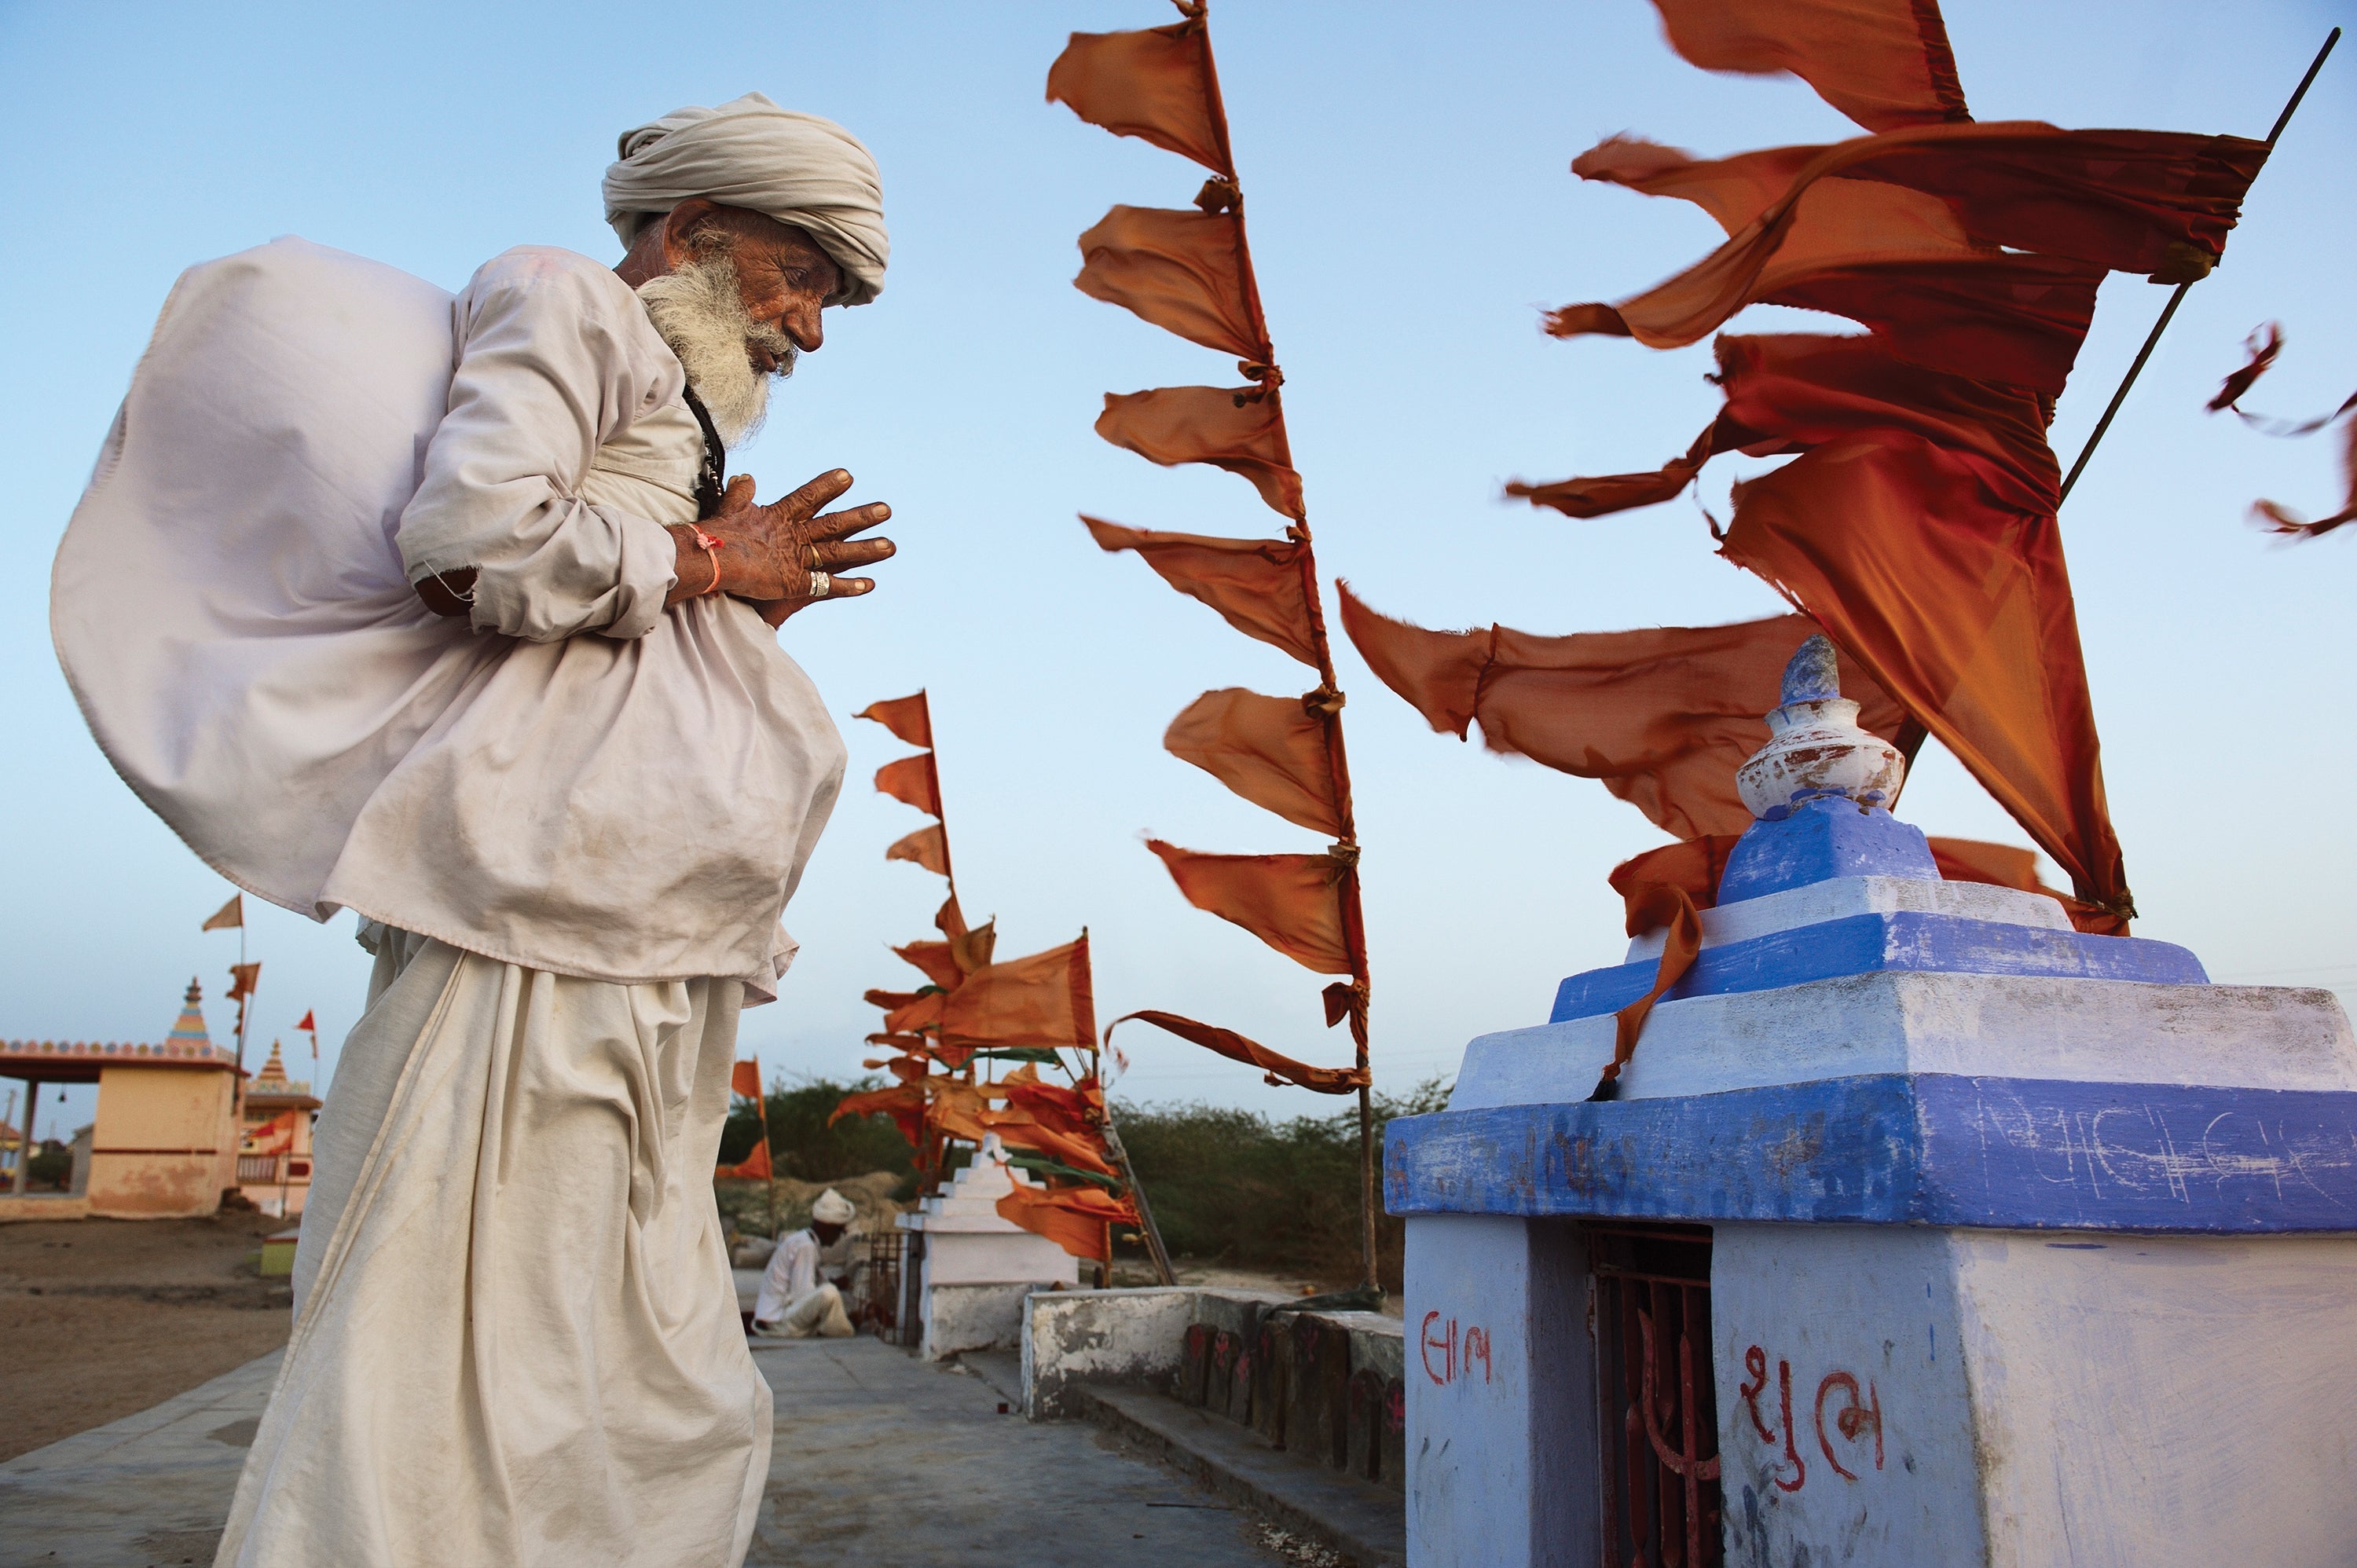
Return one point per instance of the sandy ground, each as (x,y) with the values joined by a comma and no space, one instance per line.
(103,1317)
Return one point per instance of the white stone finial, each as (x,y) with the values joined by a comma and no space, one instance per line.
(1815,746)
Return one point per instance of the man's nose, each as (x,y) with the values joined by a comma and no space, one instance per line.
(801,323)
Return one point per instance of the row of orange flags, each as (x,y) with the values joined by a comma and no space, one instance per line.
(1189,271)
(1917,525)
(973,1010)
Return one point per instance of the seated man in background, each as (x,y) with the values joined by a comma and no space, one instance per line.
(808,1275)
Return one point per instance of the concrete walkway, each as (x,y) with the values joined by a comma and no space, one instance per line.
(880,1460)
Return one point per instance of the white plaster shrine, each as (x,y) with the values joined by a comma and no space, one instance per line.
(977,1268)
(2021,1247)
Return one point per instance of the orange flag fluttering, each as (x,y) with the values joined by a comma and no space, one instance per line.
(1962,608)
(1192,273)
(2264,346)
(1661,716)
(1884,63)
(1240,429)
(1045,1000)
(1278,1068)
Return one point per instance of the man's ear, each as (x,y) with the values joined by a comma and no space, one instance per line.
(679,226)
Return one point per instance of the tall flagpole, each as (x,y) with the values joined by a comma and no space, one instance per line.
(2168,312)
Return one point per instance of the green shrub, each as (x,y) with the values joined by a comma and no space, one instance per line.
(802,1145)
(1239,1188)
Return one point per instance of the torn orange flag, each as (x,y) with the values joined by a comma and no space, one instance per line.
(1789,392)
(2009,317)
(970,949)
(1884,63)
(910,719)
(909,780)
(928,848)
(1260,587)
(1280,1069)
(1241,429)
(1079,1218)
(1158,84)
(275,1136)
(936,960)
(1078,1112)
(1692,868)
(1959,606)
(2153,202)
(1045,999)
(1273,751)
(754,1166)
(1182,269)
(1661,716)
(1017,1129)
(1292,902)
(745,1079)
(2000,864)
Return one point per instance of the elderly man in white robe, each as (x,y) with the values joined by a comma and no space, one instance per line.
(569,785)
(810,1273)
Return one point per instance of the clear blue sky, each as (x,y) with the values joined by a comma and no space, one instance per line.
(1407,170)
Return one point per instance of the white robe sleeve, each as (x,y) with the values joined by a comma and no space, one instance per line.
(554,357)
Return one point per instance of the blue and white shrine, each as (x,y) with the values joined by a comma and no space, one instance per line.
(1924,1232)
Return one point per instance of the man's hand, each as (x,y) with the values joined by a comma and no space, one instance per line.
(769,553)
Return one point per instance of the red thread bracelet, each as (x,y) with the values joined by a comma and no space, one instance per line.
(711,547)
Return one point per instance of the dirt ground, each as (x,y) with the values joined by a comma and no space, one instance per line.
(106,1317)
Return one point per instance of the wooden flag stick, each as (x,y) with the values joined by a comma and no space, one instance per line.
(2152,340)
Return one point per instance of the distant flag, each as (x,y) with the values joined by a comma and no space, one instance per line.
(228,916)
(244,978)
(308,1022)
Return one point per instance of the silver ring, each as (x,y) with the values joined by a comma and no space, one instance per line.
(820,585)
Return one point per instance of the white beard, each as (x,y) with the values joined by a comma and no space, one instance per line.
(699,312)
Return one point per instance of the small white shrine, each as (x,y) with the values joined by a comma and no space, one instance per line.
(973,1268)
(1925,1231)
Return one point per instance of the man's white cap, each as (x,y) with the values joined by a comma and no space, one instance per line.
(833,1208)
(798,168)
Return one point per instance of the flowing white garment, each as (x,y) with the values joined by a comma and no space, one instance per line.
(583,781)
(516,1341)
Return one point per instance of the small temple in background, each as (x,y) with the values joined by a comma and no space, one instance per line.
(164,1144)
(273,1154)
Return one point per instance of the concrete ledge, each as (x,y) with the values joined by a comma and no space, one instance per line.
(44,1206)
(1359,1520)
(1113,1336)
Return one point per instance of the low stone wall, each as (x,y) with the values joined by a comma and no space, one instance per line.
(1327,1385)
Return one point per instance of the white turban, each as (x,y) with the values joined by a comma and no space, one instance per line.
(797,168)
(833,1208)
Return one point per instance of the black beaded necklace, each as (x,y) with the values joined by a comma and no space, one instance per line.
(712,474)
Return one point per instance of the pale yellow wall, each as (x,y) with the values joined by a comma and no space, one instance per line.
(159,1107)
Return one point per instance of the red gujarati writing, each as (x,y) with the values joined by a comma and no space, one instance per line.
(1851,1420)
(1458,1353)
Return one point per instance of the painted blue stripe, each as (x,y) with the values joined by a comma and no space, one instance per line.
(1866,944)
(1902,1149)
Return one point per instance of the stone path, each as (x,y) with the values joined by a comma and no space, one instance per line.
(880,1460)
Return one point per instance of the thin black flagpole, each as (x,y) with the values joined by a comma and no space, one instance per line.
(2152,340)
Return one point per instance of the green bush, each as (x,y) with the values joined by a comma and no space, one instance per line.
(1239,1188)
(803,1146)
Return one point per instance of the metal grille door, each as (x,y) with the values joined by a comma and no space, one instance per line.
(1657,1409)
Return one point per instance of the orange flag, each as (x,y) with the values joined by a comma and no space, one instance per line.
(1692,868)
(1962,608)
(2002,865)
(2009,317)
(908,718)
(754,1166)
(1661,716)
(1280,1069)
(1260,587)
(275,1136)
(2141,201)
(1292,902)
(921,1011)
(1079,1218)
(1273,751)
(928,848)
(745,1079)
(228,915)
(1158,84)
(904,1102)
(1045,999)
(969,949)
(1017,1129)
(909,780)
(1240,429)
(1884,63)
(1183,271)
(243,978)
(1077,1112)
(935,959)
